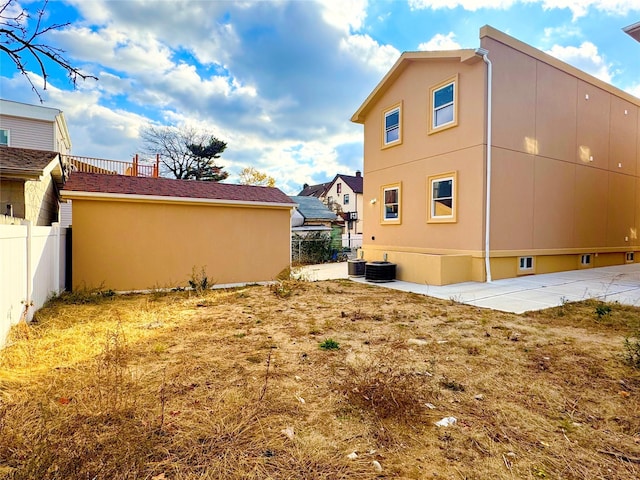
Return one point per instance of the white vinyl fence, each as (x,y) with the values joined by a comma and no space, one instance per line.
(32,268)
(352,241)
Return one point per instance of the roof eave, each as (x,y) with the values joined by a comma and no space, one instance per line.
(128,197)
(501,37)
(633,31)
(466,55)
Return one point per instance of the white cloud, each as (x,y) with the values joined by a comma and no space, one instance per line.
(578,8)
(366,50)
(634,90)
(440,42)
(585,57)
(471,5)
(347,15)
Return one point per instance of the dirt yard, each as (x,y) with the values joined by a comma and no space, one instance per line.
(318,380)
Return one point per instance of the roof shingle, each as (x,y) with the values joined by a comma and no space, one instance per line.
(167,187)
(25,159)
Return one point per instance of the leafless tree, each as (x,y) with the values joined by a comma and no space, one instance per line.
(21,39)
(185,152)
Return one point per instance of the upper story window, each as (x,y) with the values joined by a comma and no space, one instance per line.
(392,134)
(4,136)
(339,187)
(442,198)
(392,203)
(345,200)
(444,108)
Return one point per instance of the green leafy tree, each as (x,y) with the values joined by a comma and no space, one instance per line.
(205,155)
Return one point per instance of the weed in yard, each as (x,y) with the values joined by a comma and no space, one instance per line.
(451,385)
(83,296)
(284,288)
(631,353)
(603,310)
(329,344)
(199,281)
(383,387)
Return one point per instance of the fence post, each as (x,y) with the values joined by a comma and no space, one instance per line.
(156,168)
(55,228)
(135,166)
(29,255)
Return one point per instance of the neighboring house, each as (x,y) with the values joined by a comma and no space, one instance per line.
(33,126)
(311,215)
(343,195)
(27,187)
(30,181)
(317,191)
(137,233)
(553,185)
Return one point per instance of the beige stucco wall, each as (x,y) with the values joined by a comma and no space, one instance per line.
(415,244)
(565,171)
(126,245)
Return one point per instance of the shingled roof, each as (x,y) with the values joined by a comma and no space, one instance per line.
(312,208)
(25,162)
(314,190)
(354,182)
(81,182)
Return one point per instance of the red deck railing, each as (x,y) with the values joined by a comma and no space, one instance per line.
(134,168)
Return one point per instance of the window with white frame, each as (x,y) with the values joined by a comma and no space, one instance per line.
(392,132)
(4,136)
(391,206)
(443,101)
(345,200)
(585,259)
(442,197)
(525,264)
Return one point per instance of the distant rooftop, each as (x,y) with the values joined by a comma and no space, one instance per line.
(633,31)
(311,208)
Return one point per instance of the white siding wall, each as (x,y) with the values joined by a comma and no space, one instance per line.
(29,133)
(32,261)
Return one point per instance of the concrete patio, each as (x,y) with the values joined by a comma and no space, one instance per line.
(619,283)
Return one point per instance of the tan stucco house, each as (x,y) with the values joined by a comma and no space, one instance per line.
(498,162)
(138,233)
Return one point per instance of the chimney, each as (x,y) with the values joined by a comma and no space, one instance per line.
(358,173)
(306,185)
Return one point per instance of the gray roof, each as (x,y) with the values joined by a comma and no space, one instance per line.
(311,208)
(26,163)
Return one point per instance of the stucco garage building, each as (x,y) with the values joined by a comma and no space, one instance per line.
(136,233)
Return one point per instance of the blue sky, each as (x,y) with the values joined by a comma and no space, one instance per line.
(279,80)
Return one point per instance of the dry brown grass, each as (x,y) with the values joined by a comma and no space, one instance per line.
(232,384)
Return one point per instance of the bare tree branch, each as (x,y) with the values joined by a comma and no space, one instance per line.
(19,40)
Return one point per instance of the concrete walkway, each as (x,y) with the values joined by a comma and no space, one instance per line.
(619,283)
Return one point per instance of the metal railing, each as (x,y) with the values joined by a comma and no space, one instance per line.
(134,168)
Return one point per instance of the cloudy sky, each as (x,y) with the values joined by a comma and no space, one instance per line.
(279,80)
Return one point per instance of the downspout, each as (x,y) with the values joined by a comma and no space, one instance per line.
(487,260)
